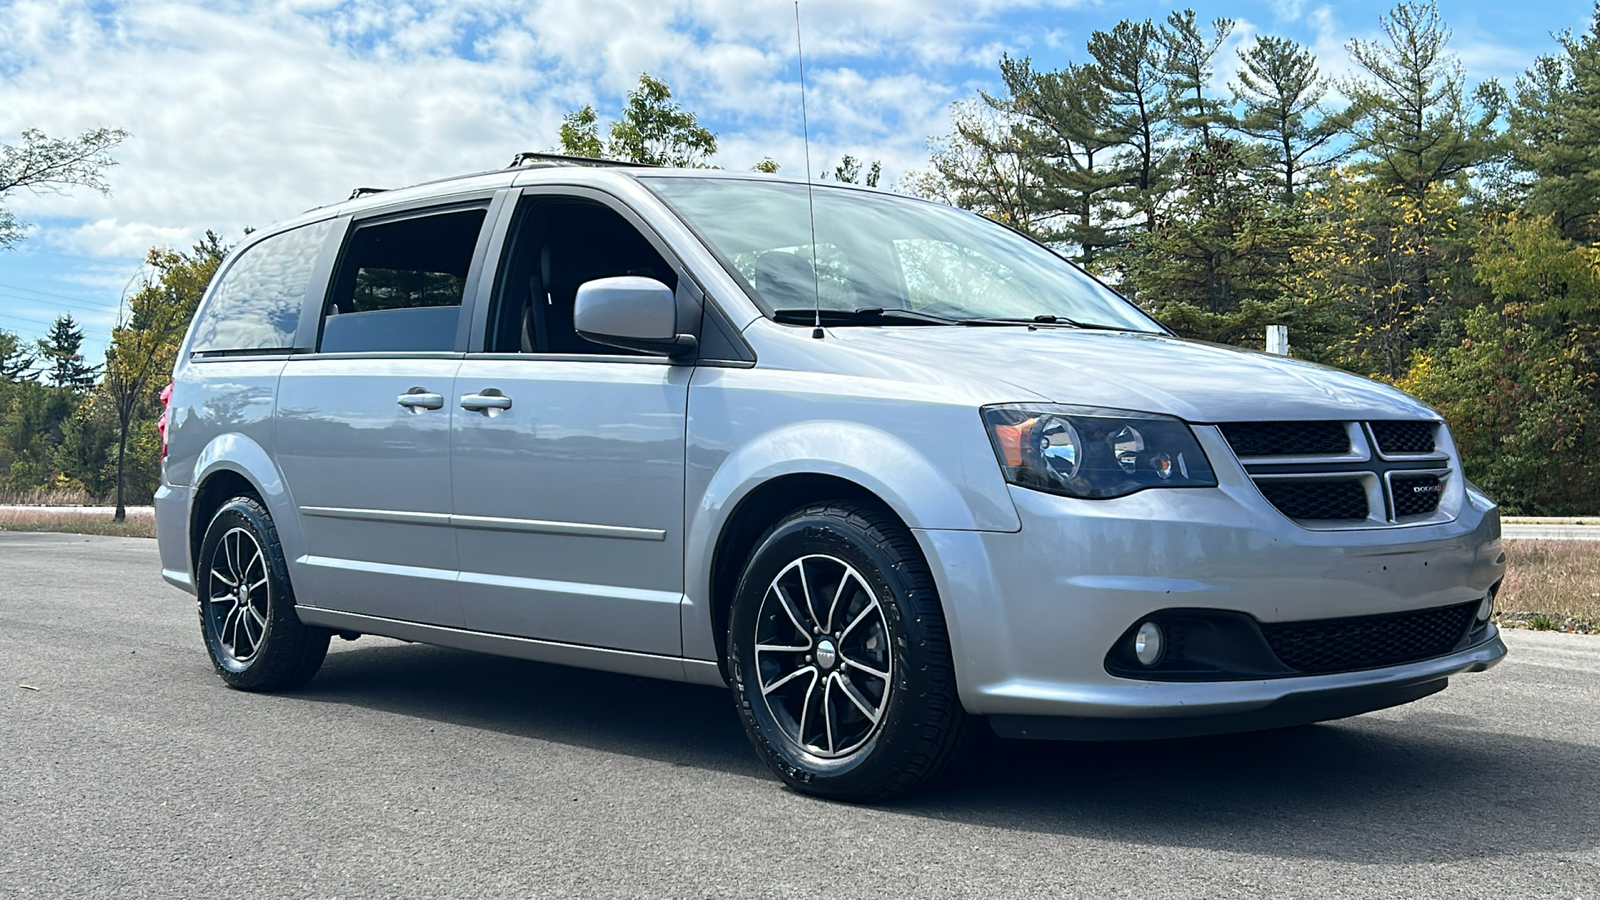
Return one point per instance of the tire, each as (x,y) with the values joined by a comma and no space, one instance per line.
(247,617)
(879,675)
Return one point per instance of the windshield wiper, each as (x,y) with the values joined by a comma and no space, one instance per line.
(866,315)
(1050,320)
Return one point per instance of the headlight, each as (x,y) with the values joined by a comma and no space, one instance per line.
(1094,453)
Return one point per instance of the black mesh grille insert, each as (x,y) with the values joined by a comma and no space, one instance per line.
(1287,438)
(1340,645)
(1299,499)
(1404,437)
(1415,495)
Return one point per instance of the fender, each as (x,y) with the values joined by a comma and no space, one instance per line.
(237,453)
(917,490)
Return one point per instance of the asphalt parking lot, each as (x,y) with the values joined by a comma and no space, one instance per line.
(409,771)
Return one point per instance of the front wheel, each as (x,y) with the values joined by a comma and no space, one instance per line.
(256,641)
(840,658)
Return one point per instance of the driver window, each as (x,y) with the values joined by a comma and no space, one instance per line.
(557,244)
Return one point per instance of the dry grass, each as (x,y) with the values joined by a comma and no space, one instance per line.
(76,523)
(1553,585)
(49,497)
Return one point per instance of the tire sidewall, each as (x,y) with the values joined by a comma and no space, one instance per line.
(806,534)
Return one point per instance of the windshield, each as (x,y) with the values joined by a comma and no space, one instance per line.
(877,252)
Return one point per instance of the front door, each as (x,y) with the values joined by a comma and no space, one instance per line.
(568,459)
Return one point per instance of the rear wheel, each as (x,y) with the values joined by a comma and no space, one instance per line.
(247,616)
(840,659)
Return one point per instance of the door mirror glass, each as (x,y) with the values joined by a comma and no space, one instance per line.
(632,312)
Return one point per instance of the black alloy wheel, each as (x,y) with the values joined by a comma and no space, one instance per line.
(247,617)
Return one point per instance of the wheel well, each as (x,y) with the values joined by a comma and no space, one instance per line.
(217,489)
(757,512)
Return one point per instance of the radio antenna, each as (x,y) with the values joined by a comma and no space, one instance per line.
(811,206)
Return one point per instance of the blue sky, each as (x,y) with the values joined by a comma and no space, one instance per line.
(245,113)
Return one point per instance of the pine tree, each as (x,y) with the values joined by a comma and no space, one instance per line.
(63,359)
(1190,63)
(1281,92)
(849,171)
(1217,265)
(1062,135)
(1554,134)
(1413,119)
(15,362)
(1130,62)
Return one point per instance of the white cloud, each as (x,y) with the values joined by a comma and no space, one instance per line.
(246,113)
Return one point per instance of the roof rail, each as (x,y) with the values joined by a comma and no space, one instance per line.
(360,192)
(530,158)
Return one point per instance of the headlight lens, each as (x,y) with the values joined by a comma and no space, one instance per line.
(1094,453)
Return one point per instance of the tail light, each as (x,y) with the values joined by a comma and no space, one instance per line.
(166,410)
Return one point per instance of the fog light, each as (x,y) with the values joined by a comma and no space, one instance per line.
(1147,643)
(1486,608)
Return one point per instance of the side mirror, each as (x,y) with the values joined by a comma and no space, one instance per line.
(630,312)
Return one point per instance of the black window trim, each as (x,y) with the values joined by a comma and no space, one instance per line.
(489,201)
(326,256)
(687,281)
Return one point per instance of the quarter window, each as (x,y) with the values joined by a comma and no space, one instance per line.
(257,304)
(401,284)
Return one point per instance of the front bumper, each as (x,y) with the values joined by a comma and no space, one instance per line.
(1032,614)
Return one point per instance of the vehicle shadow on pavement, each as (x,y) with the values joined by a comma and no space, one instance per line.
(1402,787)
(676,723)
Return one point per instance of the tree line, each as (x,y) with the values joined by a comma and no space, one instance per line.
(1404,225)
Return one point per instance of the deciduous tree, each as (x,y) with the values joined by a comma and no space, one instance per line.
(43,164)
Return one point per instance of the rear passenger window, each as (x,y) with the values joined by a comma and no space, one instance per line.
(256,306)
(400,284)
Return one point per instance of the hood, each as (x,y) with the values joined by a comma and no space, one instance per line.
(1195,381)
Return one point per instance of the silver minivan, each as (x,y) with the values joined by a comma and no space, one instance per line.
(891,471)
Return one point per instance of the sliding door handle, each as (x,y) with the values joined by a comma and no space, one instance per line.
(418,399)
(489,399)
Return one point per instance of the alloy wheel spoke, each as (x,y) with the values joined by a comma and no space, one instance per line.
(805,706)
(860,617)
(805,592)
(848,688)
(875,673)
(781,648)
(827,711)
(833,607)
(789,609)
(257,560)
(807,670)
(217,574)
(230,630)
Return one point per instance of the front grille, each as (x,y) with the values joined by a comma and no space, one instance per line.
(1287,438)
(1416,495)
(1404,437)
(1318,472)
(1321,500)
(1342,645)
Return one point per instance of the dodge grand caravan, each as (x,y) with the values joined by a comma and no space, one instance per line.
(887,469)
